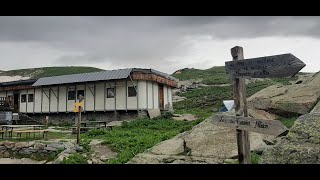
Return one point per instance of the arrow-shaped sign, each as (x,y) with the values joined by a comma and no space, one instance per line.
(283,65)
(271,127)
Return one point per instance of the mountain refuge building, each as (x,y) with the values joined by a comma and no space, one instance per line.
(122,90)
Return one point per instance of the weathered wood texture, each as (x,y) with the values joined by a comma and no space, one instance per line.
(264,126)
(283,65)
(239,90)
(153,77)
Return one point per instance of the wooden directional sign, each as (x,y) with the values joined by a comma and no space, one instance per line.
(283,65)
(271,127)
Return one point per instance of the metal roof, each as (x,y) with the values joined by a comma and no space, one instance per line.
(19,82)
(84,77)
(96,76)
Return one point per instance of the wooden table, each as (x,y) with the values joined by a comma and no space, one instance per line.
(97,122)
(9,128)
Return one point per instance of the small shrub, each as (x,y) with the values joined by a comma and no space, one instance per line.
(75,159)
(85,143)
(96,132)
(167,115)
(255,158)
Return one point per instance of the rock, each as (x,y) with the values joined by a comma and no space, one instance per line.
(261,114)
(20,145)
(205,143)
(60,158)
(185,117)
(154,113)
(69,145)
(300,146)
(27,151)
(57,145)
(48,148)
(39,146)
(316,108)
(31,143)
(169,147)
(95,142)
(79,148)
(3,148)
(260,149)
(96,161)
(115,123)
(178,98)
(89,162)
(231,161)
(8,144)
(5,154)
(104,158)
(1,143)
(287,99)
(69,151)
(176,115)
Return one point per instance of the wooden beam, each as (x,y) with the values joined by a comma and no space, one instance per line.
(94,98)
(147,93)
(152,95)
(85,96)
(243,142)
(104,96)
(27,99)
(67,92)
(126,95)
(41,98)
(34,98)
(49,100)
(58,99)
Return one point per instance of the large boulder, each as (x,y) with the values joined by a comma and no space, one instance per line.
(205,143)
(300,146)
(287,99)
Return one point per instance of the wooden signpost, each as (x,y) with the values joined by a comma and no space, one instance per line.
(78,108)
(283,65)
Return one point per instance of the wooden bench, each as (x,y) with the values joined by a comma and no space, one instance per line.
(43,131)
(2,133)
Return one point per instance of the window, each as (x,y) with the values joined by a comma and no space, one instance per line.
(131,92)
(110,92)
(23,98)
(80,92)
(30,97)
(71,95)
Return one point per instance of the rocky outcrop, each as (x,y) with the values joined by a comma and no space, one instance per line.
(288,99)
(205,143)
(300,146)
(36,150)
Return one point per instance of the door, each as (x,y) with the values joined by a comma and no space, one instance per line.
(161,98)
(16,103)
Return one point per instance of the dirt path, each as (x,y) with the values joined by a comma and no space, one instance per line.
(20,161)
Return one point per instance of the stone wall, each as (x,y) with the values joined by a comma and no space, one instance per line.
(69,118)
(36,150)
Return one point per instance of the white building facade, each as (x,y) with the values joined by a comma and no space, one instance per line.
(116,90)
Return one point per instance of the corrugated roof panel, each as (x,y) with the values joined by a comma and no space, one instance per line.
(84,77)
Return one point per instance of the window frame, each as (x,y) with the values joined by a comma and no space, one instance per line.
(29,98)
(107,91)
(134,90)
(80,93)
(23,100)
(70,98)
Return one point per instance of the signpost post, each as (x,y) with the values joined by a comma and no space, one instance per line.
(78,108)
(283,65)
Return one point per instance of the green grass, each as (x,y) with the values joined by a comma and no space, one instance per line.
(50,71)
(75,158)
(136,136)
(255,158)
(288,121)
(51,135)
(214,75)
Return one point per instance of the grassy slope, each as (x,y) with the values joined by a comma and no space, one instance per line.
(137,136)
(206,100)
(50,71)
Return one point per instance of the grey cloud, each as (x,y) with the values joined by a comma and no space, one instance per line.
(142,40)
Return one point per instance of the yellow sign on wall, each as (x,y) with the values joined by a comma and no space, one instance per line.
(77,105)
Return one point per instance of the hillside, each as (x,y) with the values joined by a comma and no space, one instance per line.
(206,96)
(49,71)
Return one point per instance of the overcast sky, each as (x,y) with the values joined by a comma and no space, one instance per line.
(163,43)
